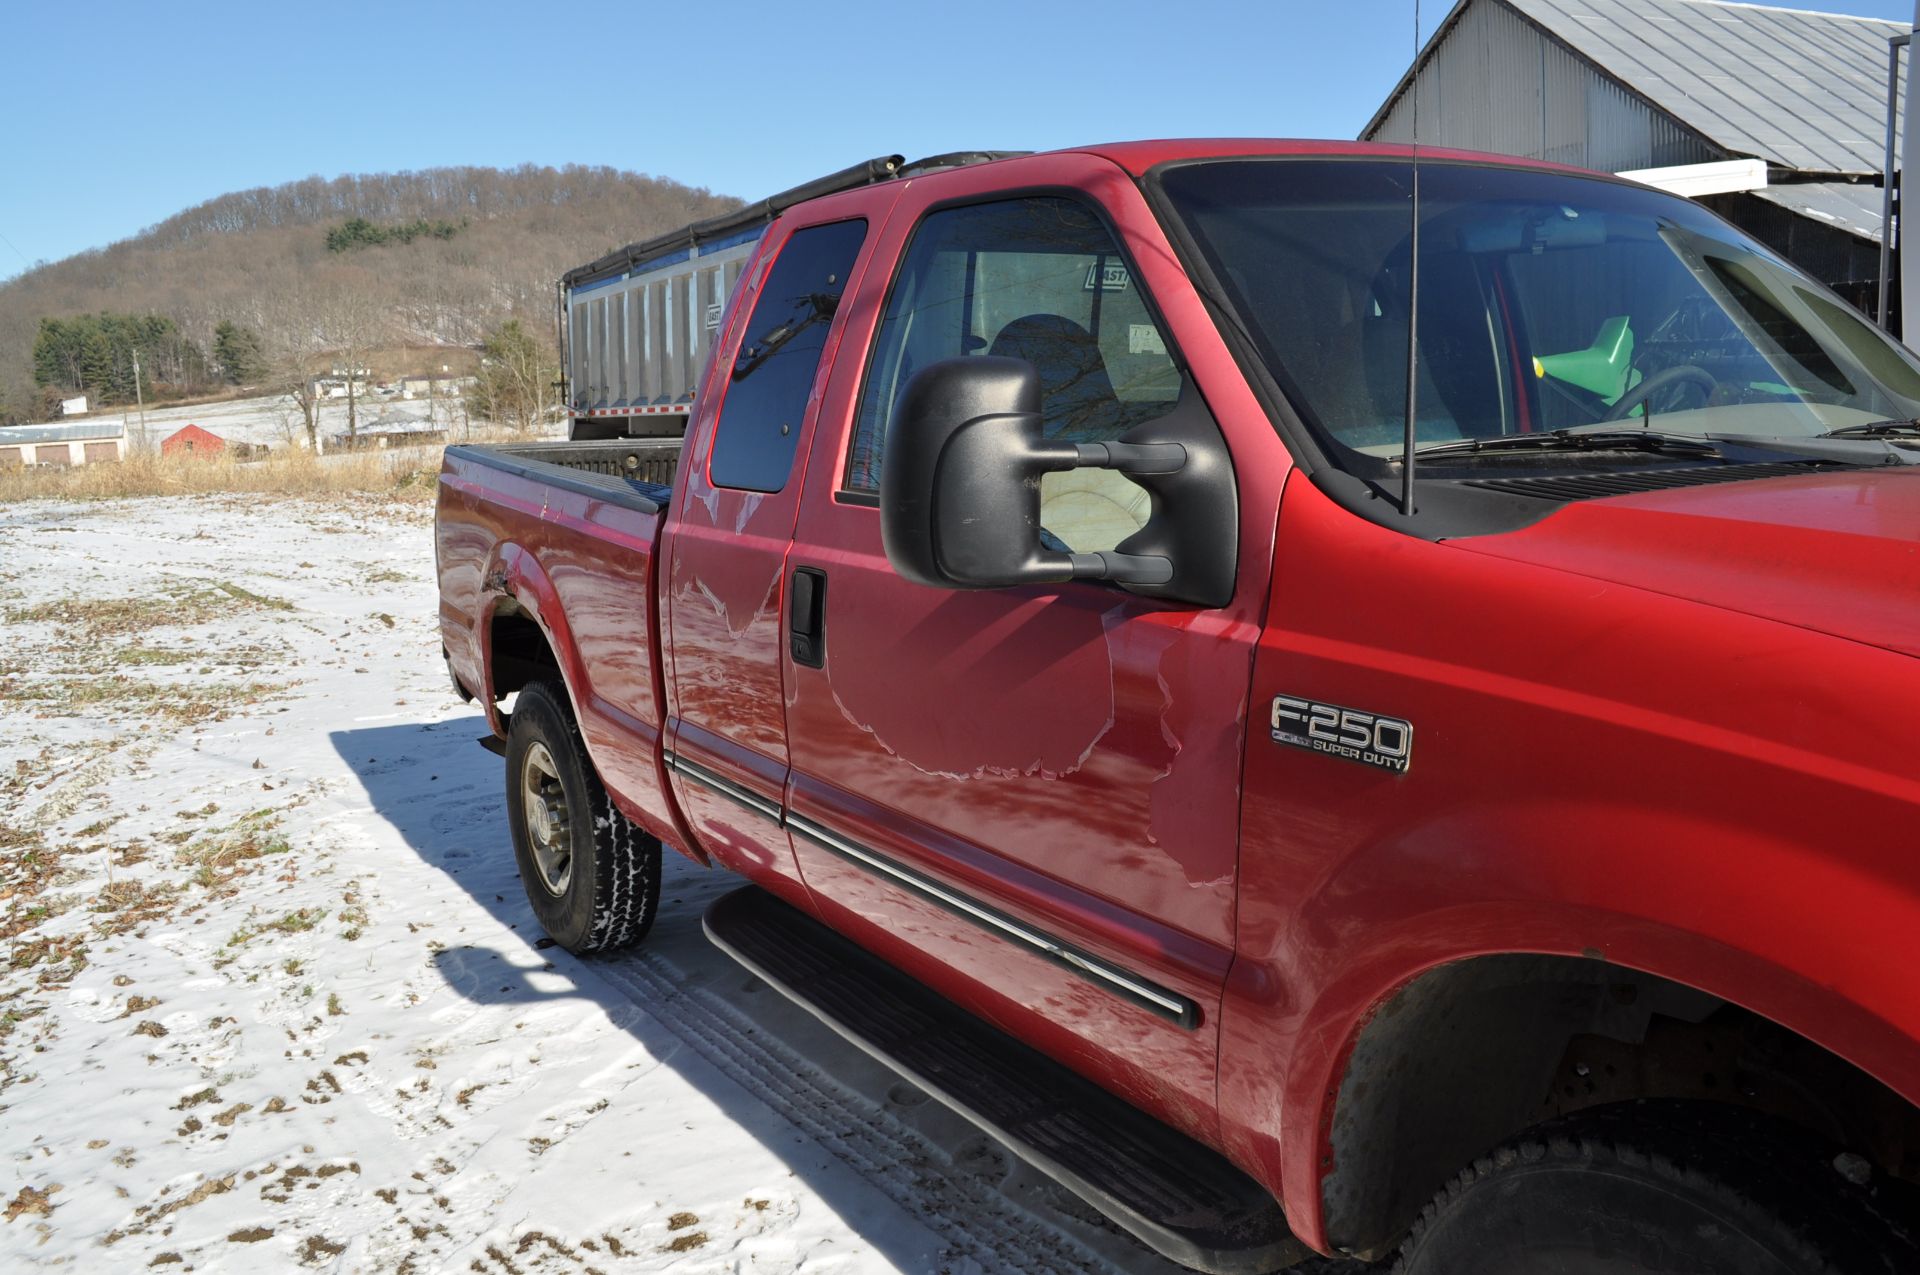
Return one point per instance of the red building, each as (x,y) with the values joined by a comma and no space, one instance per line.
(192,438)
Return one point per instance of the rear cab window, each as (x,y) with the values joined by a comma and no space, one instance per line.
(771,379)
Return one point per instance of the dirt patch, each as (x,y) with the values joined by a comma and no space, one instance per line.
(318,1248)
(31,1203)
(147,1214)
(226,1118)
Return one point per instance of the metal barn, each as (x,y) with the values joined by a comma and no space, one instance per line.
(79,443)
(1636,85)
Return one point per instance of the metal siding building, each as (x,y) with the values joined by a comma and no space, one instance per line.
(80,443)
(1618,85)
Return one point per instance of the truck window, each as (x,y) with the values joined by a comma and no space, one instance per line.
(772,375)
(1042,279)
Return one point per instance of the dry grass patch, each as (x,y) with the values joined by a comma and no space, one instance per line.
(179,605)
(181,704)
(407,476)
(216,853)
(295,922)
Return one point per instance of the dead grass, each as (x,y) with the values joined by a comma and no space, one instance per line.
(253,837)
(407,476)
(184,704)
(178,604)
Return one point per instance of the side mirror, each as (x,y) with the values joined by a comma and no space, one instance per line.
(960,487)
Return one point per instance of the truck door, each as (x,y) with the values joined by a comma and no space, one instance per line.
(734,501)
(1026,797)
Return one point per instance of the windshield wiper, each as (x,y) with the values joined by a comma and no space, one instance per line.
(1576,440)
(821,306)
(1876,429)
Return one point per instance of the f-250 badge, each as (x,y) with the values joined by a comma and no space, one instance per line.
(1368,738)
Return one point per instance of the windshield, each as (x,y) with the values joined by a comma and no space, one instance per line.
(1547,302)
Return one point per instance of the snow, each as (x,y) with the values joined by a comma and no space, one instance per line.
(275,999)
(274,420)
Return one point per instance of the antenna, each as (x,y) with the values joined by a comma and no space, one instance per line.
(1413,289)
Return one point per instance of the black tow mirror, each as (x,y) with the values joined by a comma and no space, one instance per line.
(960,485)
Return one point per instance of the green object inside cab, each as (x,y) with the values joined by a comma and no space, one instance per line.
(1604,368)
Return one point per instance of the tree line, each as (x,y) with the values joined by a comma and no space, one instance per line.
(118,358)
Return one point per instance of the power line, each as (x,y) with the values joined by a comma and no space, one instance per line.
(17,252)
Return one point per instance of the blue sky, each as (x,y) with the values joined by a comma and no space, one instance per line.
(113,116)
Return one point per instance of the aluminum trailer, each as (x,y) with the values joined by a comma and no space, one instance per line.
(636,325)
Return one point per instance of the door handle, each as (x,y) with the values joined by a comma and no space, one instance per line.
(807,617)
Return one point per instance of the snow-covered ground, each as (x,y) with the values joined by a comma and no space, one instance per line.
(274,999)
(275,421)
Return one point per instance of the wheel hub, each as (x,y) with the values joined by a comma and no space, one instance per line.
(544,801)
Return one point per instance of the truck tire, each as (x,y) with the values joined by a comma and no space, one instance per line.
(1665,1186)
(591,874)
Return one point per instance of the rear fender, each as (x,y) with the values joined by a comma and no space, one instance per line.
(515,580)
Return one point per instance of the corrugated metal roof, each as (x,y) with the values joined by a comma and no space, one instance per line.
(78,432)
(1849,206)
(1800,90)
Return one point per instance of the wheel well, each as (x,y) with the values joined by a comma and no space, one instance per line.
(1473,1052)
(519,651)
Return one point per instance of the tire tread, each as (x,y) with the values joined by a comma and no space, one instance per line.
(625,860)
(1777,1177)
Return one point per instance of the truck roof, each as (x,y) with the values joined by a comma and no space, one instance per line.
(1138,157)
(1135,157)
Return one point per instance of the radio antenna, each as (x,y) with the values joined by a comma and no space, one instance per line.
(1413,289)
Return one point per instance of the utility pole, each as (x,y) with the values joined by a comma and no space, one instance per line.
(139,396)
(1909,261)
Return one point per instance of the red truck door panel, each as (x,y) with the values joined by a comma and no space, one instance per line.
(1026,797)
(732,526)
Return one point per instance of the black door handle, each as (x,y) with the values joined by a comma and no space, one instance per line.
(807,617)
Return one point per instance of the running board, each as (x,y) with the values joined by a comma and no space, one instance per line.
(1177,1197)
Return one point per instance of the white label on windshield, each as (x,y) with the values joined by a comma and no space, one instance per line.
(1144,338)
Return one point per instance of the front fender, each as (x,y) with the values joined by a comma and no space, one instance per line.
(1773,925)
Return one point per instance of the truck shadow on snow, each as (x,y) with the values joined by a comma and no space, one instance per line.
(843,1124)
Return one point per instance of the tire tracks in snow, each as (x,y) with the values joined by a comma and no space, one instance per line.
(970,1217)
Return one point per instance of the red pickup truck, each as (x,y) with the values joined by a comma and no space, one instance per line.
(1324,738)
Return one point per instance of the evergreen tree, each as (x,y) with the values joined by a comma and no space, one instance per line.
(238,351)
(97,371)
(95,353)
(55,355)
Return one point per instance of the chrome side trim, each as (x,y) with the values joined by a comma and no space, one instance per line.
(1158,1000)
(726,788)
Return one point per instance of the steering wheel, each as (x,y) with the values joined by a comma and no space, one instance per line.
(1665,378)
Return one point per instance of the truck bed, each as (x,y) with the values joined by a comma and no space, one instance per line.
(546,555)
(624,468)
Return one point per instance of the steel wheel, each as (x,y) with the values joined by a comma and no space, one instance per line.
(545,804)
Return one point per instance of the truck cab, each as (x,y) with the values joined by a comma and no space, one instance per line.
(1306,705)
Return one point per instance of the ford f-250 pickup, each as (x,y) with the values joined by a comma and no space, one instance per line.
(1325,739)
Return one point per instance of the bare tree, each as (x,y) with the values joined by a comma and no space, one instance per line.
(516,369)
(354,324)
(296,343)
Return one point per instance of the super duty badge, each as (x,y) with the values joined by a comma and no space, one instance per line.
(1368,738)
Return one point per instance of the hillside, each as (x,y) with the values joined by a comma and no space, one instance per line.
(354,262)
